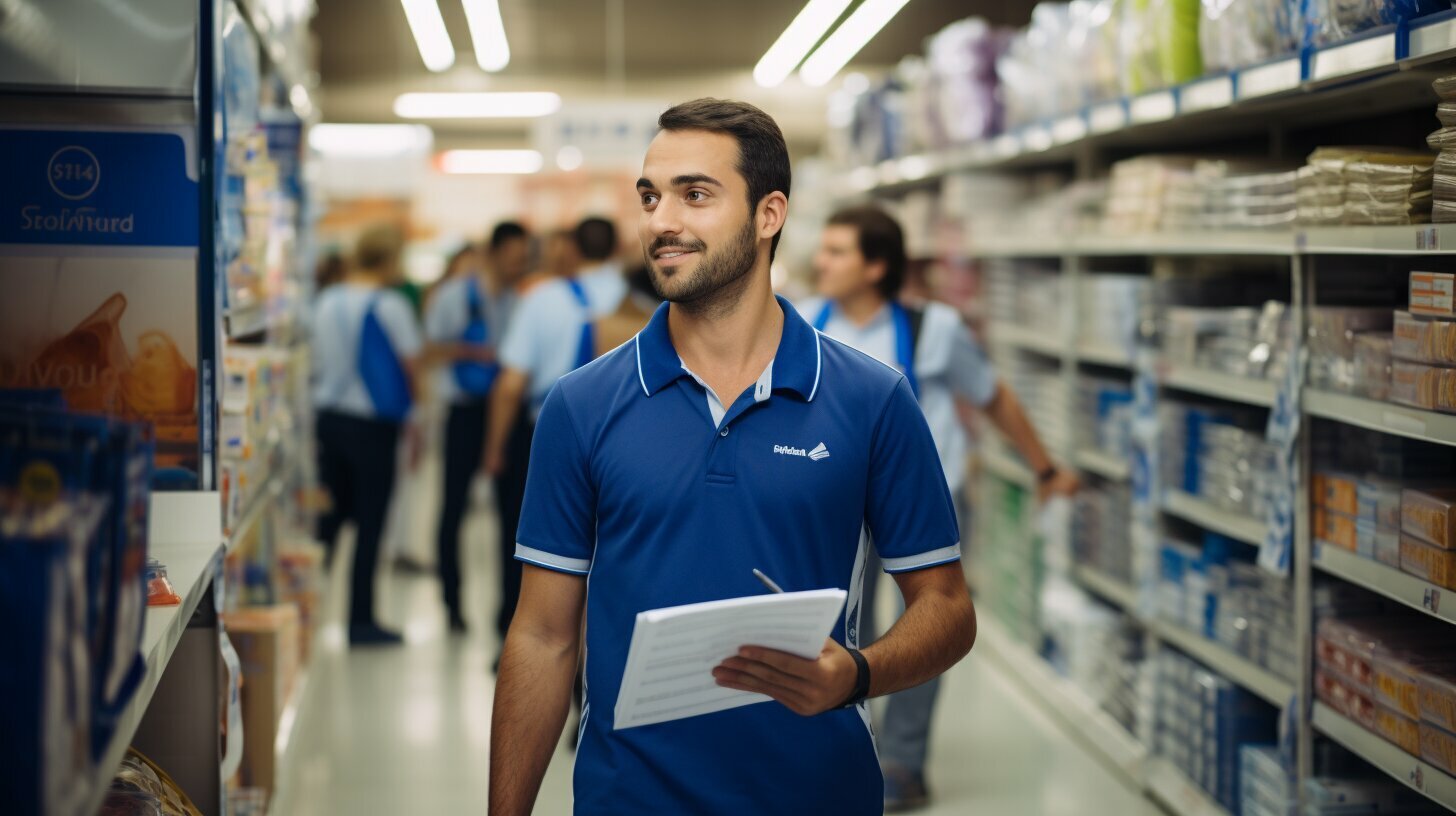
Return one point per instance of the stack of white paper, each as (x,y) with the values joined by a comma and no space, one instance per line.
(670,664)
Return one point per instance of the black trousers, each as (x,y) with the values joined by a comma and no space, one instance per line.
(464,448)
(356,465)
(510,493)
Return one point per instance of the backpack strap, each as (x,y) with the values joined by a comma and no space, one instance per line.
(586,347)
(907,335)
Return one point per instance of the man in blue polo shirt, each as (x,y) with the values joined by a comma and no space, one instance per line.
(728,436)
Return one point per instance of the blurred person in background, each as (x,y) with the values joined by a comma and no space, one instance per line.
(860,271)
(552,333)
(366,348)
(465,260)
(636,309)
(330,270)
(466,320)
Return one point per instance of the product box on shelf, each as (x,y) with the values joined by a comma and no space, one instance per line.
(1430,515)
(1424,340)
(1423,386)
(1398,729)
(1337,693)
(1398,677)
(1427,562)
(1438,697)
(1431,294)
(1438,747)
(266,640)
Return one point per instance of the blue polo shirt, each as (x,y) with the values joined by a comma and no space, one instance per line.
(635,485)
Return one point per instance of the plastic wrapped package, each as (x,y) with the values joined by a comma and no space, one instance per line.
(1387,546)
(1333,691)
(1329,21)
(1437,686)
(1175,26)
(1423,386)
(1443,212)
(1427,562)
(1424,340)
(1372,365)
(962,77)
(1438,747)
(1398,678)
(1430,514)
(1141,63)
(1237,33)
(1380,502)
(1445,87)
(1397,729)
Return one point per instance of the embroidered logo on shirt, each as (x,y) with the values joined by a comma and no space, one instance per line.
(819,452)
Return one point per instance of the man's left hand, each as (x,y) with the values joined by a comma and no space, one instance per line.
(805,687)
(1063,483)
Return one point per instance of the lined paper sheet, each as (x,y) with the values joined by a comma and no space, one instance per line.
(670,664)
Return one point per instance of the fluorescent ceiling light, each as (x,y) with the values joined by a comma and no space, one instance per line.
(848,39)
(790,48)
(569,158)
(488,34)
(370,141)
(433,39)
(518,162)
(476,105)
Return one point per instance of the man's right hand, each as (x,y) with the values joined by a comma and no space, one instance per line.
(493,464)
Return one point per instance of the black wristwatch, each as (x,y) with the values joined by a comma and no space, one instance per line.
(1046,475)
(861,681)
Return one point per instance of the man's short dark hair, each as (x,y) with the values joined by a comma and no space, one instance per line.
(596,239)
(880,239)
(506,231)
(763,158)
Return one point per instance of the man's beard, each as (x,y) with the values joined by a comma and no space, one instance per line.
(717,284)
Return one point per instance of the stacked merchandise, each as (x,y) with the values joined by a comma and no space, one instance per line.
(73,519)
(267,640)
(1346,345)
(1359,489)
(1104,416)
(1423,372)
(1266,786)
(1213,454)
(260,426)
(1027,296)
(1364,186)
(1098,649)
(1233,195)
(1203,723)
(1138,193)
(1099,532)
(1219,593)
(1110,308)
(1444,185)
(1242,341)
(1394,674)
(1343,786)
(1012,566)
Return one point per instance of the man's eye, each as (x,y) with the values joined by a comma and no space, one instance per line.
(697,195)
(649,199)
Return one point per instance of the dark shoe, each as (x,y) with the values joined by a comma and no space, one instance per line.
(904,790)
(369,634)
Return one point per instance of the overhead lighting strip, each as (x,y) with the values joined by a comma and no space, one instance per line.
(847,40)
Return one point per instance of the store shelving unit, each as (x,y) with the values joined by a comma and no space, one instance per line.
(1005,467)
(1103,464)
(1413,423)
(1104,355)
(1436,784)
(1176,792)
(1392,583)
(1108,588)
(1274,689)
(1217,384)
(1029,338)
(1212,517)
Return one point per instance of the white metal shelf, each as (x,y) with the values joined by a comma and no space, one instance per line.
(1096,729)
(1420,239)
(1386,417)
(1192,509)
(1274,689)
(1192,242)
(190,568)
(1388,581)
(1003,466)
(1108,588)
(1028,338)
(1415,773)
(1175,791)
(1104,354)
(1103,464)
(1217,384)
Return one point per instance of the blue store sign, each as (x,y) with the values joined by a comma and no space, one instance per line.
(97,188)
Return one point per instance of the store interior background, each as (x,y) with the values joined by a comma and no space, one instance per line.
(1234,325)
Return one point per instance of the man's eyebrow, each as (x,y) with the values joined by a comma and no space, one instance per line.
(695,178)
(644,184)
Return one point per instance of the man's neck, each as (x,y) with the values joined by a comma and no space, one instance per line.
(861,307)
(730,348)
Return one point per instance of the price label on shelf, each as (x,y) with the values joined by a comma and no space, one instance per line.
(1417,777)
(1431,602)
(1428,239)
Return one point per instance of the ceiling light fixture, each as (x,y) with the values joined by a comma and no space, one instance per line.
(490,162)
(487,105)
(569,158)
(370,141)
(428,26)
(848,39)
(488,34)
(794,44)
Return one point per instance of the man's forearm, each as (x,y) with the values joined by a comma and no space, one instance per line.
(936,631)
(532,697)
(1006,413)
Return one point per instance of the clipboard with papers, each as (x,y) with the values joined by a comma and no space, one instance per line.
(669,674)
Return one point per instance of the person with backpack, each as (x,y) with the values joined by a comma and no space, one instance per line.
(859,274)
(552,333)
(466,319)
(366,342)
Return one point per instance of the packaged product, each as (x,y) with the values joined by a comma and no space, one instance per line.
(1330,21)
(1379,500)
(1333,691)
(159,588)
(1398,729)
(1423,386)
(1443,212)
(1398,675)
(1337,529)
(1438,747)
(1367,538)
(1341,493)
(1372,365)
(1425,340)
(1428,563)
(1438,696)
(1387,546)
(1430,514)
(1431,294)
(1445,87)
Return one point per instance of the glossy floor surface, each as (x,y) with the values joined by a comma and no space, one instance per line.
(406,730)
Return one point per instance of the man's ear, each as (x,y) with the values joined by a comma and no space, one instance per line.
(773,211)
(876,271)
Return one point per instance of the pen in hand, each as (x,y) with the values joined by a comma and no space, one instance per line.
(768,582)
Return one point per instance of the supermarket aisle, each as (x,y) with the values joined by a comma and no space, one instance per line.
(407,730)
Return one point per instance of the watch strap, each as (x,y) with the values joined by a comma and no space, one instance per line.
(862,679)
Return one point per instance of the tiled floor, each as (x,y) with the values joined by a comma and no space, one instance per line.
(406,730)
